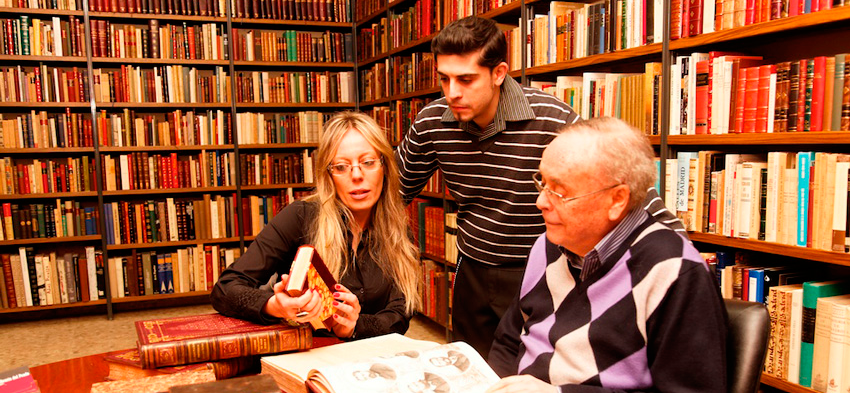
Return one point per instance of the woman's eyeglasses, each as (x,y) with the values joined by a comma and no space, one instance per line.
(367,165)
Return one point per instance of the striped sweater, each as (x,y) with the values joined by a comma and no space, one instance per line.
(648,317)
(488,172)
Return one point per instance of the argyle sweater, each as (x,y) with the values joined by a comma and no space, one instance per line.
(649,318)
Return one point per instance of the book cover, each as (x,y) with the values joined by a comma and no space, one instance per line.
(252,384)
(309,271)
(198,338)
(812,291)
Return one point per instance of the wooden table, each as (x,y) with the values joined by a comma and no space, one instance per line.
(78,374)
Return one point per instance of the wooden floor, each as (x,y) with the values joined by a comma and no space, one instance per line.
(38,342)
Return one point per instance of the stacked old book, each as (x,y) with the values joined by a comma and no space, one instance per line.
(197,348)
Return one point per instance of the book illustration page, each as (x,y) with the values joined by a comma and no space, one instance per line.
(449,368)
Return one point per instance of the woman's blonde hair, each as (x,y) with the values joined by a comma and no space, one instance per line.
(391,248)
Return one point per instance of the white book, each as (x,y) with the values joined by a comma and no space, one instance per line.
(26,275)
(91,270)
(675,96)
(62,279)
(837,347)
(39,279)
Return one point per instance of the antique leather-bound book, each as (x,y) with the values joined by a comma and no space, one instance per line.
(200,338)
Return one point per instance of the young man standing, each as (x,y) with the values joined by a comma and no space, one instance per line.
(487,135)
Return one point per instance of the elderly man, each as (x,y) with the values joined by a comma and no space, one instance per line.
(610,299)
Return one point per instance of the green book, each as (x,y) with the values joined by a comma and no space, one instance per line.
(40,214)
(837,92)
(812,291)
(25,35)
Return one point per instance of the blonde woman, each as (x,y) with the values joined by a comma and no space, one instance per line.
(356,221)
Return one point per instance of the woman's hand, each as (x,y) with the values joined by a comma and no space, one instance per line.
(522,383)
(347,311)
(300,309)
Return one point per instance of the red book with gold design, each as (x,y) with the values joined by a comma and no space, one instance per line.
(308,271)
(200,338)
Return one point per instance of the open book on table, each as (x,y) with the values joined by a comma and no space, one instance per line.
(391,363)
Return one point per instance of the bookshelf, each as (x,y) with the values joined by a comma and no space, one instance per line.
(168,133)
(777,38)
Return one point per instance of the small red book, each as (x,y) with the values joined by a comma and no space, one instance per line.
(308,271)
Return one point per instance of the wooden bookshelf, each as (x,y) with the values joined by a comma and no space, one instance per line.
(181,243)
(276,146)
(594,60)
(77,194)
(50,240)
(47,150)
(294,105)
(157,191)
(263,187)
(404,96)
(292,23)
(147,17)
(129,149)
(785,138)
(403,48)
(46,59)
(45,105)
(162,296)
(801,22)
(376,14)
(302,64)
(39,11)
(784,385)
(510,9)
(53,307)
(114,60)
(835,258)
(162,105)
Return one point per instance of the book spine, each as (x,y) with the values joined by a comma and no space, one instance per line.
(225,346)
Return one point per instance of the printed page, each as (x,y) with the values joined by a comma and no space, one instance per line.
(449,368)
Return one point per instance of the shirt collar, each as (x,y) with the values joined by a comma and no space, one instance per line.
(608,245)
(513,106)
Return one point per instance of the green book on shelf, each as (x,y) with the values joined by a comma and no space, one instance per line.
(812,291)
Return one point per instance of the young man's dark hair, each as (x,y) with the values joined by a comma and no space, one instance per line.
(470,34)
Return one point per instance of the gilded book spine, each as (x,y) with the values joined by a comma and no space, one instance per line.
(225,346)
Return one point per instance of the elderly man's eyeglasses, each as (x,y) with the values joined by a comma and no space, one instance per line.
(367,165)
(538,182)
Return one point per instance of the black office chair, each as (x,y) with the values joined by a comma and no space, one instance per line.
(746,346)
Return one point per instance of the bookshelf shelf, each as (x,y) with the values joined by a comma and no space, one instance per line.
(507,9)
(784,385)
(45,105)
(261,146)
(655,140)
(284,23)
(63,59)
(785,138)
(157,191)
(50,240)
(171,244)
(77,194)
(436,195)
(259,187)
(409,45)
(836,258)
(595,60)
(133,299)
(162,105)
(105,60)
(181,18)
(817,19)
(47,150)
(163,148)
(379,12)
(100,302)
(290,105)
(39,11)
(292,64)
(415,94)
(438,259)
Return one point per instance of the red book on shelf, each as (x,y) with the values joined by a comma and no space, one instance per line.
(763,101)
(200,338)
(750,104)
(802,76)
(818,92)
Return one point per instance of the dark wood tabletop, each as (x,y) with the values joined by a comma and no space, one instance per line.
(78,374)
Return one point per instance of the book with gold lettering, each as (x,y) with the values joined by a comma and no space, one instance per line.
(309,272)
(201,338)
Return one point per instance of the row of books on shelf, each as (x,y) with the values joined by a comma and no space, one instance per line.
(42,220)
(174,83)
(206,41)
(44,279)
(307,10)
(39,176)
(291,45)
(632,97)
(177,128)
(42,129)
(141,171)
(436,291)
(43,84)
(295,87)
(176,7)
(189,269)
(432,230)
(300,127)
(261,209)
(210,217)
(417,21)
(398,75)
(268,168)
(808,319)
(722,92)
(397,117)
(42,37)
(796,199)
